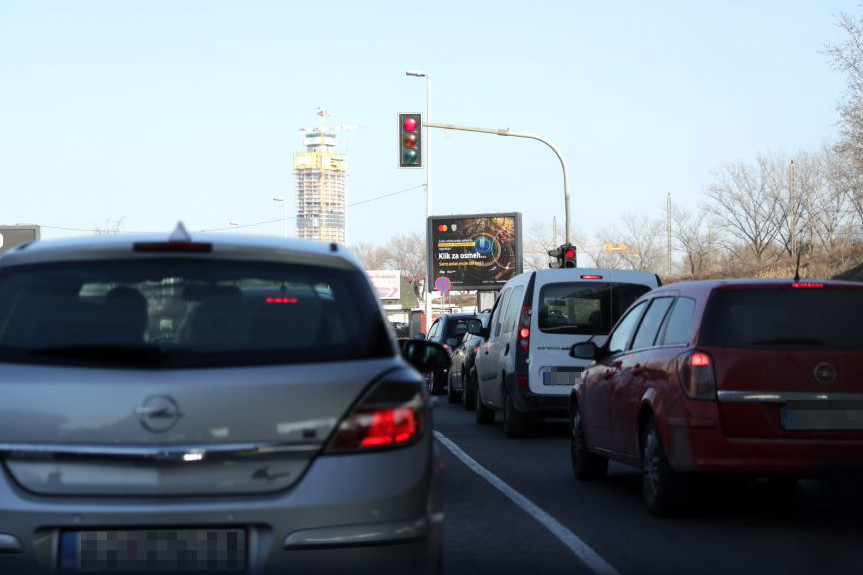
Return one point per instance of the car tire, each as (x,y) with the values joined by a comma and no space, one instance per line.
(586,466)
(514,421)
(468,395)
(484,415)
(664,490)
(452,395)
(435,384)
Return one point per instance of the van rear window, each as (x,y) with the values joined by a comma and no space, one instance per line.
(784,318)
(585,308)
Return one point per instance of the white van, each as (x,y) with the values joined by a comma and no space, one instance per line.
(523,367)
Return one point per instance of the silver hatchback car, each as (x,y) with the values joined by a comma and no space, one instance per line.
(218,405)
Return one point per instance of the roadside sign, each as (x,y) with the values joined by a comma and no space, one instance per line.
(442,284)
(11,236)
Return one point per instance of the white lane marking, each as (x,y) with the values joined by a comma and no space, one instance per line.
(578,547)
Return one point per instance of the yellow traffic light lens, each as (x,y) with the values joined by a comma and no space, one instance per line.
(410,140)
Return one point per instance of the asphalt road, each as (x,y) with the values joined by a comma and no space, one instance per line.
(733,527)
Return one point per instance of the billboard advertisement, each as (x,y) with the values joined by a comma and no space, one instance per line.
(475,252)
(387,283)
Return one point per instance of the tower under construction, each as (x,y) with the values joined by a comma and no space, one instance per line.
(321,178)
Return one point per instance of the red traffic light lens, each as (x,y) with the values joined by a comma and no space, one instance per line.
(570,253)
(411,140)
(410,124)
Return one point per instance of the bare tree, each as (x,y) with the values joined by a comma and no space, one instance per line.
(696,237)
(407,252)
(847,57)
(111,227)
(745,205)
(373,257)
(646,240)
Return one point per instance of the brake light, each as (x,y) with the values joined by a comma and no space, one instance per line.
(807,285)
(391,415)
(523,381)
(172,247)
(446,347)
(695,369)
(271,299)
(591,277)
(524,329)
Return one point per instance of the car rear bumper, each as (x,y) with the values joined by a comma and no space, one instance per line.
(701,446)
(349,513)
(538,403)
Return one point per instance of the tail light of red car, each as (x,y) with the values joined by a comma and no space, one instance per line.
(695,369)
(391,415)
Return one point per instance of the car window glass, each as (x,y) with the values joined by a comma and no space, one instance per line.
(512,310)
(622,333)
(679,325)
(499,312)
(434,329)
(649,327)
(585,307)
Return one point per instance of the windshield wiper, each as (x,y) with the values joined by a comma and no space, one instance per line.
(117,353)
(807,341)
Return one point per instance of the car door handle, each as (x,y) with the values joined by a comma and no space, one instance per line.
(506,350)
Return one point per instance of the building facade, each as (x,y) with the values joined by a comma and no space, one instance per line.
(321,181)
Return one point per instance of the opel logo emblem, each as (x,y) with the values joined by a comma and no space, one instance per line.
(158,414)
(824,373)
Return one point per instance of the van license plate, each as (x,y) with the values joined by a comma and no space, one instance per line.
(561,376)
(139,551)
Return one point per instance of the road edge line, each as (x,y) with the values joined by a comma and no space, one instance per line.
(579,548)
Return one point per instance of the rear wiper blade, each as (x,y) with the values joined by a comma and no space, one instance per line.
(149,353)
(809,341)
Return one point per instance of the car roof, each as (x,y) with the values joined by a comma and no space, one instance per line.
(224,247)
(706,286)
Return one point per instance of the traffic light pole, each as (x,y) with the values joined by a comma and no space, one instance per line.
(507,132)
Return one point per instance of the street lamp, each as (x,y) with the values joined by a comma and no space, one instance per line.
(427,144)
(285,203)
(236,227)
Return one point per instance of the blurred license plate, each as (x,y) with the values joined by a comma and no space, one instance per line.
(561,376)
(141,551)
(823,416)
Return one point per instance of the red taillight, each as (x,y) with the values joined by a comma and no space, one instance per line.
(695,369)
(523,381)
(807,285)
(524,329)
(271,299)
(591,277)
(392,415)
(447,347)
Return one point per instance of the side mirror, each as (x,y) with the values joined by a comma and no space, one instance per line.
(584,350)
(474,326)
(424,356)
(452,342)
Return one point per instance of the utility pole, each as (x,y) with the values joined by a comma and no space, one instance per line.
(507,132)
(793,239)
(668,235)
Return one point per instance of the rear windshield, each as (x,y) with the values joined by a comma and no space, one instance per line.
(187,313)
(456,327)
(585,308)
(784,318)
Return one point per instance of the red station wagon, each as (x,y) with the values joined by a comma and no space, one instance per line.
(761,377)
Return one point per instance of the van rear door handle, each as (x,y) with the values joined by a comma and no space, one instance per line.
(506,349)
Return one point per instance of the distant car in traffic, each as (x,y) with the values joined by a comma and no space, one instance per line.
(402,329)
(746,377)
(447,330)
(214,404)
(462,370)
(523,366)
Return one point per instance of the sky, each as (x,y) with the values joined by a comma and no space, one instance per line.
(148,112)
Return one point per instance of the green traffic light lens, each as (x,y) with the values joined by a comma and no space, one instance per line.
(410,156)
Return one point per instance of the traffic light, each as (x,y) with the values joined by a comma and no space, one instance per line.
(565,255)
(410,140)
(568,256)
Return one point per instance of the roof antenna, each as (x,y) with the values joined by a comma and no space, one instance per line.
(180,234)
(797,269)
